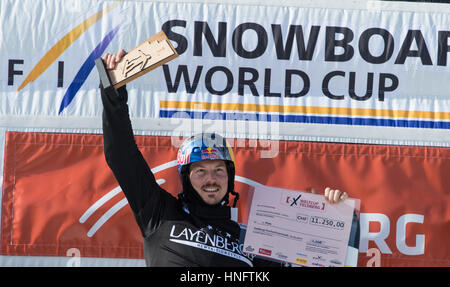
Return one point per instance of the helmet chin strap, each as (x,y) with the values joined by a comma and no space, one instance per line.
(236,197)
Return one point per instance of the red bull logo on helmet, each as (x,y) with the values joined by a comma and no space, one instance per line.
(210,153)
(183,158)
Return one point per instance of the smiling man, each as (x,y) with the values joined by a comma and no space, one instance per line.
(194,229)
(210,179)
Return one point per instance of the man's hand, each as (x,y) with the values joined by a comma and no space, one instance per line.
(111,60)
(333,195)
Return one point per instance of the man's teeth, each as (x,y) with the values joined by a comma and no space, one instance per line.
(211,189)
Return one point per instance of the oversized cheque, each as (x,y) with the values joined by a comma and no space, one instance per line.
(298,227)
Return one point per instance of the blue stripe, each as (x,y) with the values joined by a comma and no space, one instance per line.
(308,119)
(86,69)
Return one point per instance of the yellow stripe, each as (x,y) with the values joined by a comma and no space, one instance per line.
(305,110)
(63,44)
(230,151)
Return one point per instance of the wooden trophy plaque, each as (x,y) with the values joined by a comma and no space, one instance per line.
(152,53)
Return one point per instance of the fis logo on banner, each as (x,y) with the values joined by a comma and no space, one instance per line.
(58,49)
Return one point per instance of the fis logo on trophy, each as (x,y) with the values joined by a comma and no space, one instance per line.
(150,54)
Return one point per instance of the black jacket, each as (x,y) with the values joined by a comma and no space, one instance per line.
(176,232)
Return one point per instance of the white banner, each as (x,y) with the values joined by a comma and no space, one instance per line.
(353,75)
